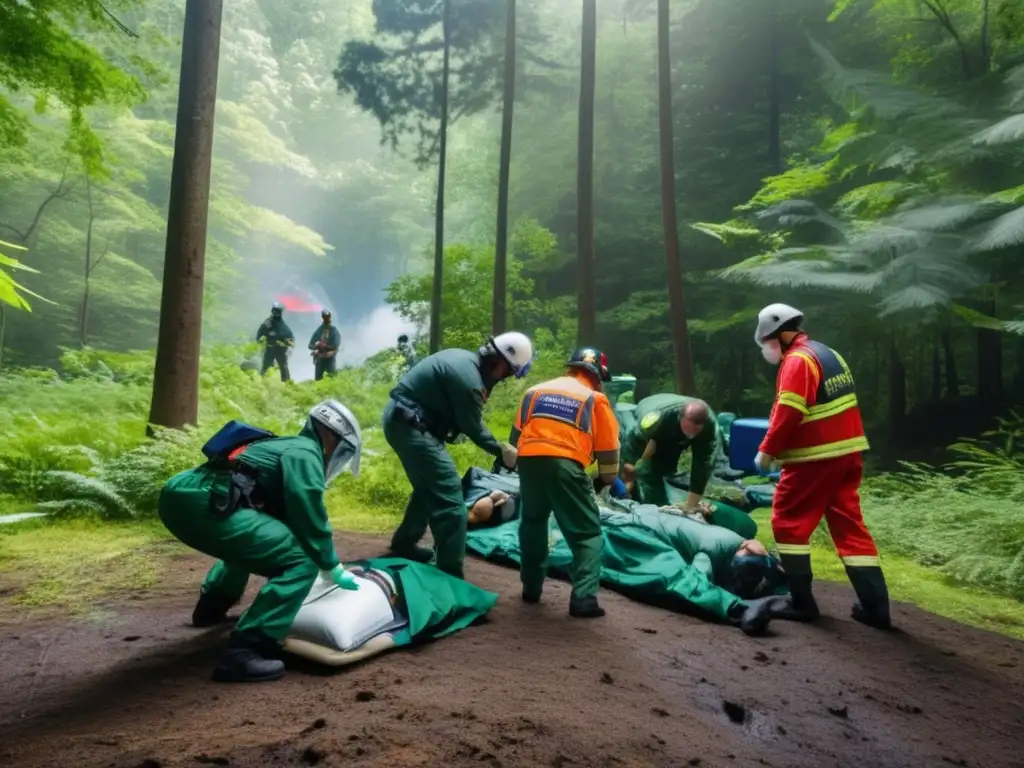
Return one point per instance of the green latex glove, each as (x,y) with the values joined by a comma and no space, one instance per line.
(343,578)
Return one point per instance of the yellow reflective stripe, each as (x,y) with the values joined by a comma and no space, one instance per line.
(810,362)
(826,451)
(794,549)
(608,469)
(860,561)
(793,400)
(837,406)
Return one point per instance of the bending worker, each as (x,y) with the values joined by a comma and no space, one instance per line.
(817,434)
(665,426)
(324,344)
(440,398)
(260,509)
(561,428)
(279,338)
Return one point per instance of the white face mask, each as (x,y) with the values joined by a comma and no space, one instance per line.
(771,351)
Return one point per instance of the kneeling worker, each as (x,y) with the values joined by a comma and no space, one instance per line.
(665,426)
(441,397)
(561,427)
(261,510)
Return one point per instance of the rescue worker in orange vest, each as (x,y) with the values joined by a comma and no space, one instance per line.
(562,426)
(816,434)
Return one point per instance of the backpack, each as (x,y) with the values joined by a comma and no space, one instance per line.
(231,439)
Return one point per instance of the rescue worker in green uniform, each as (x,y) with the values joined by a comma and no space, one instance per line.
(666,425)
(324,343)
(406,350)
(260,510)
(441,397)
(278,338)
(562,427)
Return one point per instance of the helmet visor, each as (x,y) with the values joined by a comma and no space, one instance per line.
(346,455)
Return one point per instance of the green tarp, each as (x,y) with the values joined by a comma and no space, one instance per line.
(436,604)
(642,558)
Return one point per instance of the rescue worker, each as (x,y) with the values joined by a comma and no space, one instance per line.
(260,510)
(816,433)
(278,338)
(562,427)
(664,426)
(325,342)
(441,397)
(405,349)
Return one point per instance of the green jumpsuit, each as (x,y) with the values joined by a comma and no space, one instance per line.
(440,398)
(657,418)
(289,548)
(331,338)
(278,338)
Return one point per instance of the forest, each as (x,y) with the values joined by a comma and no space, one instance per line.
(638,175)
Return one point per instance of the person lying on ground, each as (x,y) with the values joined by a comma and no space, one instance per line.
(562,427)
(260,509)
(483,510)
(441,397)
(666,425)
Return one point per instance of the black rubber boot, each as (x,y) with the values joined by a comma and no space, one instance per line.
(414,552)
(531,596)
(585,608)
(873,593)
(248,660)
(800,605)
(211,609)
(753,616)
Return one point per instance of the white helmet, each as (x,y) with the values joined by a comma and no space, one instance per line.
(516,348)
(342,422)
(773,317)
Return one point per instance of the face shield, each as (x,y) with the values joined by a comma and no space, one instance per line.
(347,453)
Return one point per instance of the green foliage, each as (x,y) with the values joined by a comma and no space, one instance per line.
(10,290)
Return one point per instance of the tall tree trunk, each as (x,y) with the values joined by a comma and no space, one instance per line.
(176,376)
(774,122)
(936,375)
(499,313)
(83,319)
(990,363)
(952,378)
(436,292)
(587,309)
(897,389)
(986,47)
(685,379)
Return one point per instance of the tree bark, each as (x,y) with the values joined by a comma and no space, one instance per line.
(436,292)
(990,363)
(774,120)
(685,379)
(176,375)
(499,312)
(84,316)
(587,308)
(952,378)
(986,48)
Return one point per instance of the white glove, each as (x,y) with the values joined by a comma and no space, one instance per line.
(764,463)
(509,456)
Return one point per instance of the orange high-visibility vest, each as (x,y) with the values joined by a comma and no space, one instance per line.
(566,418)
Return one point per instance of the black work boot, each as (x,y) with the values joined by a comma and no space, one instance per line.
(246,661)
(585,608)
(753,616)
(531,596)
(800,605)
(873,593)
(413,552)
(211,609)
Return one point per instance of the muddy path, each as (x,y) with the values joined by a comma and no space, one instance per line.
(128,685)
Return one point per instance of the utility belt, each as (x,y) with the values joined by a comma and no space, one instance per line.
(414,414)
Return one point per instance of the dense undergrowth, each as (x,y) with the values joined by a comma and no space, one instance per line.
(74,444)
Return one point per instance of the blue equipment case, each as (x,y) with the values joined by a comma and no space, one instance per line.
(745,435)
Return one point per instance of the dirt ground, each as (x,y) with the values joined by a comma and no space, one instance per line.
(128,686)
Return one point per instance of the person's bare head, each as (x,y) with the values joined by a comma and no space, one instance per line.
(695,415)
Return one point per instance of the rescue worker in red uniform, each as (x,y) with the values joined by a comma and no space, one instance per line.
(562,427)
(816,434)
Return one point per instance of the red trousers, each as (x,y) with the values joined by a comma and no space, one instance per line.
(829,487)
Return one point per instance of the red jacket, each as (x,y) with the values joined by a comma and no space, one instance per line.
(815,415)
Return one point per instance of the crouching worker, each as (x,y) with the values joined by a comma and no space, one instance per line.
(441,397)
(259,509)
(561,428)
